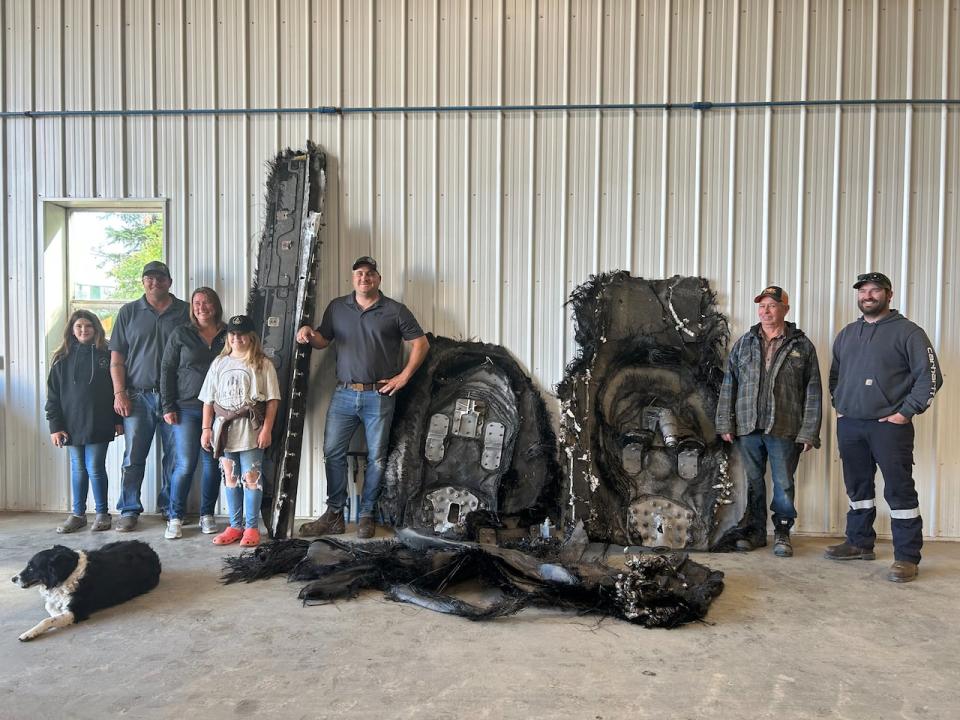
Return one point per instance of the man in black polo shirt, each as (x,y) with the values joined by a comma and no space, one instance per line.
(136,348)
(369,329)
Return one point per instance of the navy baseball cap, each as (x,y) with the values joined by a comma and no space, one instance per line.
(873,277)
(240,324)
(155,267)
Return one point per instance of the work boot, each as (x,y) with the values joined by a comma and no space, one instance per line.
(366,528)
(781,543)
(902,571)
(746,544)
(330,523)
(127,523)
(846,551)
(72,524)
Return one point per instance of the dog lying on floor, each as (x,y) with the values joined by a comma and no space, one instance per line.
(76,583)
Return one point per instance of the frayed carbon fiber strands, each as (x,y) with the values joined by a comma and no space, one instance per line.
(653,591)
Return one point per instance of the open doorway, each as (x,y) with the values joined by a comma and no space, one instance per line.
(93,255)
(107,250)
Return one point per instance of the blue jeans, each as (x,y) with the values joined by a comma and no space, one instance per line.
(187,450)
(138,431)
(349,408)
(244,481)
(88,467)
(784,456)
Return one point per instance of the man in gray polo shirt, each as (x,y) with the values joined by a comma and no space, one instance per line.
(369,330)
(136,348)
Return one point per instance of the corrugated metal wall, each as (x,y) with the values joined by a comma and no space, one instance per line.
(484,221)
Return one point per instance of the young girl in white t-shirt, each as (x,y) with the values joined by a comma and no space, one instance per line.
(240,399)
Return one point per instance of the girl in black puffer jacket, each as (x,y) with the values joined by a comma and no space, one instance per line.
(81,416)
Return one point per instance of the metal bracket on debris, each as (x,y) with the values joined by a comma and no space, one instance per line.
(468,417)
(436,434)
(448,507)
(492,446)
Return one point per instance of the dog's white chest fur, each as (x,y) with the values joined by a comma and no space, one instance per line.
(58,600)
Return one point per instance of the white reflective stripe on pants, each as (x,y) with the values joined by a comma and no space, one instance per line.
(906,514)
(863,504)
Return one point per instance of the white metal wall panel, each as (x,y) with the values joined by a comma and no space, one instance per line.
(484,221)
(4,252)
(21,404)
(139,93)
(109,148)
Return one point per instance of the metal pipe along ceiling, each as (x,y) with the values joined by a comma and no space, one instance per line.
(367,110)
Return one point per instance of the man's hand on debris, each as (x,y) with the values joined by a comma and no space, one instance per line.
(395,383)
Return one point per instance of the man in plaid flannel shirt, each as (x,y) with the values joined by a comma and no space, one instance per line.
(770,409)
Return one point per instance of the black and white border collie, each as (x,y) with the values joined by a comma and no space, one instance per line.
(76,583)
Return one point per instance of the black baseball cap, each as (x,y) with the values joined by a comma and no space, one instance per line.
(366,260)
(873,277)
(775,292)
(155,267)
(240,324)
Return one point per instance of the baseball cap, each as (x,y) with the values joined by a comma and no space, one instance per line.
(155,267)
(775,292)
(366,260)
(873,277)
(240,324)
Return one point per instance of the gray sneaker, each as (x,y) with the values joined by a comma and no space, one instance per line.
(173,530)
(127,523)
(101,522)
(208,524)
(72,524)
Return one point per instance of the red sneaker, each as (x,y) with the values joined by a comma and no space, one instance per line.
(251,538)
(228,536)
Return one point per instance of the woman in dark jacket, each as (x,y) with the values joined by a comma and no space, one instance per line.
(186,358)
(81,416)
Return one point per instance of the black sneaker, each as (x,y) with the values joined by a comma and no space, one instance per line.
(781,544)
(846,551)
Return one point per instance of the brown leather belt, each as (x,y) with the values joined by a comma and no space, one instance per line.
(363,387)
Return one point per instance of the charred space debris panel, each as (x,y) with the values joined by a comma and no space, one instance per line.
(649,590)
(471,438)
(282,298)
(642,459)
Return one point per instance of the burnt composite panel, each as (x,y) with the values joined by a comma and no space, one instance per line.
(471,444)
(283,297)
(641,454)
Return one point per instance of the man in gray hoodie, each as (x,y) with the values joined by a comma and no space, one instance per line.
(884,371)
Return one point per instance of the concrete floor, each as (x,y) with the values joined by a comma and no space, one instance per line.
(797,638)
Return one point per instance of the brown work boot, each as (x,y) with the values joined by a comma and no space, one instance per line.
(902,571)
(366,528)
(846,551)
(330,523)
